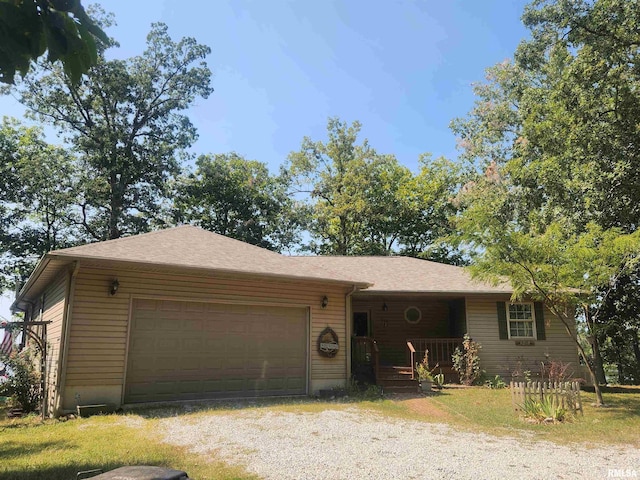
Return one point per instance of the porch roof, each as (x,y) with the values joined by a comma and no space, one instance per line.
(396,274)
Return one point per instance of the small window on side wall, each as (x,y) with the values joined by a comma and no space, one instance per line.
(412,315)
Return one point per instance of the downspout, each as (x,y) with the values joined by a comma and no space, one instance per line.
(64,343)
(43,359)
(348,315)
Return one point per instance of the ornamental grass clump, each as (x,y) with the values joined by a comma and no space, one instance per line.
(547,410)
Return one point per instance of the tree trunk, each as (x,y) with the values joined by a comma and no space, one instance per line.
(636,351)
(620,372)
(114,232)
(567,325)
(619,344)
(597,361)
(594,380)
(595,347)
(115,205)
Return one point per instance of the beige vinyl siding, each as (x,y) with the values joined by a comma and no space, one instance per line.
(100,322)
(53,311)
(503,357)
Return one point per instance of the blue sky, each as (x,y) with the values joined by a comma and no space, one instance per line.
(280,68)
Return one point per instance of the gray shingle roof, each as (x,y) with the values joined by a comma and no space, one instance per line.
(193,247)
(397,274)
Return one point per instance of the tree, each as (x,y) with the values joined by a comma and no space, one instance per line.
(365,203)
(28,28)
(238,198)
(588,130)
(334,174)
(430,202)
(559,126)
(124,121)
(37,195)
(583,117)
(620,334)
(548,261)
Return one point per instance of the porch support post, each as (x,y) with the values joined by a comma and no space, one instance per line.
(349,320)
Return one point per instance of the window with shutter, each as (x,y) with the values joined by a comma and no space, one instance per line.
(521,320)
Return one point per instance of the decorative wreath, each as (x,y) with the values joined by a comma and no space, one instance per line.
(328,345)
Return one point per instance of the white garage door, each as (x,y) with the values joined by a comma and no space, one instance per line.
(192,350)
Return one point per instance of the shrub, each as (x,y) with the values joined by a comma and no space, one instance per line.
(521,372)
(496,382)
(22,381)
(557,371)
(466,360)
(363,391)
(423,370)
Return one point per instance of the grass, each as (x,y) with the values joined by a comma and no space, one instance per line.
(31,449)
(490,411)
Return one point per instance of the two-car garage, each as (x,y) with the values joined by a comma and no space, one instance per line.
(184,350)
(185,314)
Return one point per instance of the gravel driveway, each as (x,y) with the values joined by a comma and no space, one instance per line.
(355,444)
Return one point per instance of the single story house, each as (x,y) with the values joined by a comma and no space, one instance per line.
(184,313)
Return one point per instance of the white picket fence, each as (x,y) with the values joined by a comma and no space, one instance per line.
(566,394)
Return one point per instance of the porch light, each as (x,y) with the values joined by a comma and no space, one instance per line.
(325,302)
(385,307)
(113,289)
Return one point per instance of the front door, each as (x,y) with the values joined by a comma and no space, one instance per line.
(362,368)
(361,324)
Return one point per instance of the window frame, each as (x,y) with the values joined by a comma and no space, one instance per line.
(533,321)
(419,315)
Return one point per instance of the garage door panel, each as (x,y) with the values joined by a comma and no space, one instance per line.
(194,307)
(142,344)
(171,306)
(188,350)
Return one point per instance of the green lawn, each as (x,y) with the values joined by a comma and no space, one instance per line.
(32,449)
(490,411)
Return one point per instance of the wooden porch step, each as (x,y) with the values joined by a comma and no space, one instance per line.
(396,389)
(397,379)
(395,369)
(394,372)
(399,386)
(402,372)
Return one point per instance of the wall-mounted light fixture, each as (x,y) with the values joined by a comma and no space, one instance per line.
(385,307)
(325,302)
(113,288)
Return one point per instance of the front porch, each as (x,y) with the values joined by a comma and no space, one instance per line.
(367,367)
(392,334)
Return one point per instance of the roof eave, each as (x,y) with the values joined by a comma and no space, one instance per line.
(359,284)
(450,292)
(18,303)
